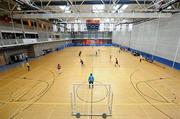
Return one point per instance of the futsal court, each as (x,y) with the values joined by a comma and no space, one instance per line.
(89,59)
(140,90)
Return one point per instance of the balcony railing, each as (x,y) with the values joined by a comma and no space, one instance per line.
(14,42)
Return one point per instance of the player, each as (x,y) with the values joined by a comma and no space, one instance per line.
(141,58)
(116,62)
(91,81)
(28,66)
(96,53)
(59,68)
(80,53)
(110,57)
(119,50)
(26,58)
(82,62)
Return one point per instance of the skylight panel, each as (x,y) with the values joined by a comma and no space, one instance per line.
(98,8)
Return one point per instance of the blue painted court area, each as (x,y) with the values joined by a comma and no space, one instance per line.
(8,66)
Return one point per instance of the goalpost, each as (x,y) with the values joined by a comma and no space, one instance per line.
(91,102)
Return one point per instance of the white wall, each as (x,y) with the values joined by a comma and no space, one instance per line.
(159,37)
(122,38)
(38,48)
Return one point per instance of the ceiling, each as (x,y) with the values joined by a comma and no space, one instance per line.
(89,6)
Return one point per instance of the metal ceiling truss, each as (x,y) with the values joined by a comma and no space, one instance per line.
(92,15)
(90,2)
(57,11)
(162,5)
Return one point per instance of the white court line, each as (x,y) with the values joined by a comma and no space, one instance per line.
(146,113)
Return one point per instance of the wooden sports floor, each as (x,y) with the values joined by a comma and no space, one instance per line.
(141,90)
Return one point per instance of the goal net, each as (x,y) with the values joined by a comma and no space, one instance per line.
(88,101)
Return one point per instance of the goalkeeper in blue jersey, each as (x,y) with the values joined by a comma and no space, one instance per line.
(91,80)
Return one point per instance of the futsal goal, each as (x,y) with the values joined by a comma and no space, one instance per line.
(96,101)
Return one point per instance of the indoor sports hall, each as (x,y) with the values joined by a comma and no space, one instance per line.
(89,59)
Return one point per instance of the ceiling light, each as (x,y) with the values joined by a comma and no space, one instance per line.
(124,21)
(97,11)
(97,19)
(113,11)
(18,7)
(67,11)
(124,7)
(169,7)
(64,7)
